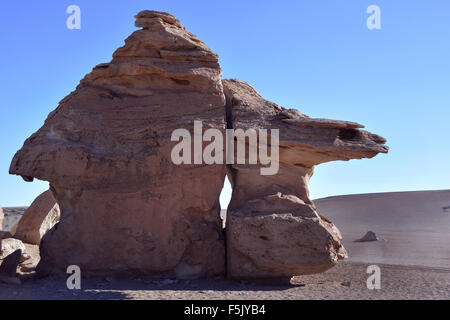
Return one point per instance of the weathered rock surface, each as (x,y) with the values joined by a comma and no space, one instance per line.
(8,268)
(106,151)
(9,265)
(273,229)
(14,228)
(8,246)
(126,207)
(39,218)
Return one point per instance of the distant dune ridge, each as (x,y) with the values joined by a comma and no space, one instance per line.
(12,216)
(414,227)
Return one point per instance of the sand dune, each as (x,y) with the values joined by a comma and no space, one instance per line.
(414,226)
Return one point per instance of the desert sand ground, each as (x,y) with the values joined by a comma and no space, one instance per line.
(346,281)
(413,255)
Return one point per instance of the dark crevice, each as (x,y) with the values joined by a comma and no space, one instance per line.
(180,81)
(224,232)
(348,134)
(228,109)
(27,178)
(230,175)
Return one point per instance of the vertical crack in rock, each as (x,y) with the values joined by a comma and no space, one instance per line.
(106,151)
(229,125)
(273,229)
(229,109)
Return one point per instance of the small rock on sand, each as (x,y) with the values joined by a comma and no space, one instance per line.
(370,236)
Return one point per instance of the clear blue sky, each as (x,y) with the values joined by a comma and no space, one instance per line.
(317,56)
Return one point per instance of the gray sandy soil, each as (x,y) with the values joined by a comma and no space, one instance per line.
(346,281)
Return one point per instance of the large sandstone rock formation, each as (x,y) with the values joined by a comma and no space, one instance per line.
(39,218)
(106,151)
(8,268)
(126,207)
(273,229)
